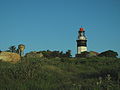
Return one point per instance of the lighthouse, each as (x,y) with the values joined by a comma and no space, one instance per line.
(81,41)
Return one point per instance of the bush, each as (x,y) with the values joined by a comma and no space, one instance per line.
(60,74)
(108,53)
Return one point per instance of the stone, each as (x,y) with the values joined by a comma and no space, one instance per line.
(9,57)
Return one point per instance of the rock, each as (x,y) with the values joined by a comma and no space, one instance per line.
(9,57)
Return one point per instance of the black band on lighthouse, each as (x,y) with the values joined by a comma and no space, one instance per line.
(81,43)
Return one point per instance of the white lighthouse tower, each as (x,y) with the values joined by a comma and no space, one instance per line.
(81,41)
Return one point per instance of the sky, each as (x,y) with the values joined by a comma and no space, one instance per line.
(54,24)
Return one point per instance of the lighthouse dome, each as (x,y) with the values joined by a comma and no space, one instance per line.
(81,29)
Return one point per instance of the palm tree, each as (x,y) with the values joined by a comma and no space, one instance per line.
(12,49)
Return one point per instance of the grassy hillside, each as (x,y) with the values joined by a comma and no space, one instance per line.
(61,74)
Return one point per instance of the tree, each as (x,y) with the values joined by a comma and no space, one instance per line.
(108,53)
(12,49)
(68,53)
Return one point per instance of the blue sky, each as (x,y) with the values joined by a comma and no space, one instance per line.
(53,24)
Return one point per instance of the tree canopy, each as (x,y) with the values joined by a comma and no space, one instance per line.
(109,53)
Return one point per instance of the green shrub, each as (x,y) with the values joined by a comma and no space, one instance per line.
(60,74)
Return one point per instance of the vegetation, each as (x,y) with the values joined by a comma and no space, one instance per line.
(55,70)
(50,54)
(95,73)
(108,53)
(12,49)
(83,54)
